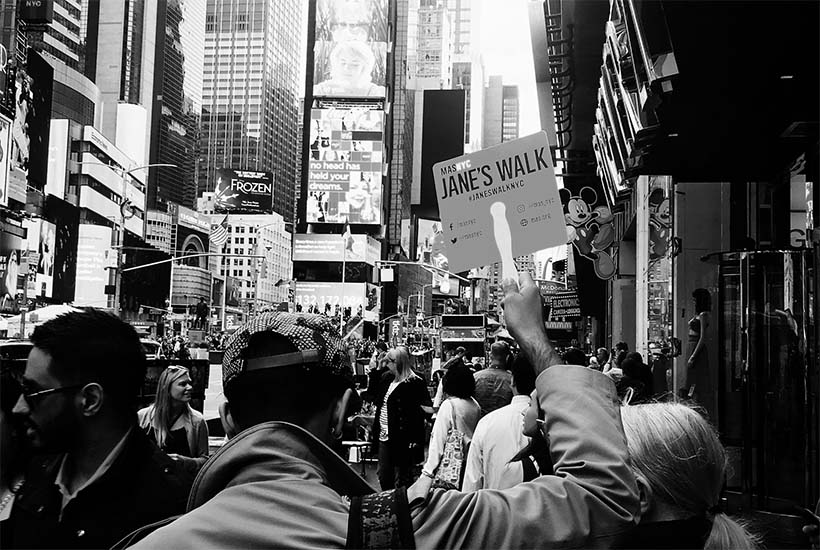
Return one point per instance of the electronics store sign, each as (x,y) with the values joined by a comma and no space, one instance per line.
(564,306)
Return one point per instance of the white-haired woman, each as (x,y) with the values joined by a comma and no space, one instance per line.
(680,465)
(351,72)
(172,423)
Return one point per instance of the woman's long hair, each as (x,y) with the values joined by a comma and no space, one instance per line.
(162,412)
(683,461)
(404,369)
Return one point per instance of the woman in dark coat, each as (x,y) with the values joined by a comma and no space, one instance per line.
(403,405)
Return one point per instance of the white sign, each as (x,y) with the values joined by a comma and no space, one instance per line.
(518,177)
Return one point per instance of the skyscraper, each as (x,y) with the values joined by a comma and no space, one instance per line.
(120,58)
(509,113)
(177,102)
(250,93)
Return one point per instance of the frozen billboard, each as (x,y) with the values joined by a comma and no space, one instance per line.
(245,191)
(350,52)
(345,165)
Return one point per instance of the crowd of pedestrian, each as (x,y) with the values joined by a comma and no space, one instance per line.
(542,451)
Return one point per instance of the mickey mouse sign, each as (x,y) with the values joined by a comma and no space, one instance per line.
(590,228)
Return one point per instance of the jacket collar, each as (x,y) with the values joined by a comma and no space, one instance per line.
(272,450)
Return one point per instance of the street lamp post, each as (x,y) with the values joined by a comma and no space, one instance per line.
(118,238)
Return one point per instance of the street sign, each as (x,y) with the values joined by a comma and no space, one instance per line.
(510,184)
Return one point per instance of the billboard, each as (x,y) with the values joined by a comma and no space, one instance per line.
(5,143)
(57,171)
(243,191)
(319,297)
(345,165)
(41,246)
(431,249)
(32,114)
(37,12)
(66,218)
(233,292)
(10,257)
(323,247)
(350,52)
(93,243)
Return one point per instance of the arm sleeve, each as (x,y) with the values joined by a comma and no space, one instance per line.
(474,472)
(439,399)
(590,500)
(202,450)
(438,437)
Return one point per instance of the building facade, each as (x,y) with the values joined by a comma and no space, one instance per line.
(250,93)
(177,101)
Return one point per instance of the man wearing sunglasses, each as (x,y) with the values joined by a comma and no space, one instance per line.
(99,476)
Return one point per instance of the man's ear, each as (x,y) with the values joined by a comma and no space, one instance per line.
(645,495)
(228,423)
(339,413)
(93,397)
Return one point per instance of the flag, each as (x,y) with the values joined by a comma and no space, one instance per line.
(219,233)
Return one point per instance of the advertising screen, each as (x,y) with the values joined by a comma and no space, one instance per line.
(243,191)
(350,52)
(10,271)
(319,247)
(42,240)
(93,243)
(345,170)
(431,249)
(5,137)
(314,297)
(233,291)
(32,114)
(66,218)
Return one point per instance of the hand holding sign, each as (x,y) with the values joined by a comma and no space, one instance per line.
(525,321)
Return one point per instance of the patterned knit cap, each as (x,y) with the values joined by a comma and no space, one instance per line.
(315,336)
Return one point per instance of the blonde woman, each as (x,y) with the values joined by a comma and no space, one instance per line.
(403,403)
(172,423)
(680,466)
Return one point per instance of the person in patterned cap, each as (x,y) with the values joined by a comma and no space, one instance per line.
(277,483)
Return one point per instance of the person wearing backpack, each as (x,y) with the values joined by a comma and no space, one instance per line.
(453,430)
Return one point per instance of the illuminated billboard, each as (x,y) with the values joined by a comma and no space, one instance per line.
(323,247)
(313,297)
(245,191)
(93,243)
(345,165)
(233,291)
(5,143)
(10,246)
(32,115)
(431,249)
(42,242)
(350,52)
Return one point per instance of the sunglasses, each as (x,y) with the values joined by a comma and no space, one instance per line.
(33,398)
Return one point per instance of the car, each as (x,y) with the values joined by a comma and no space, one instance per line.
(15,349)
(152,348)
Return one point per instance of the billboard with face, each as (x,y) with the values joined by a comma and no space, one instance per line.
(243,191)
(10,246)
(233,292)
(345,170)
(32,115)
(350,52)
(5,137)
(42,240)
